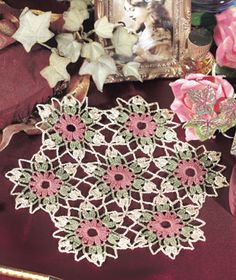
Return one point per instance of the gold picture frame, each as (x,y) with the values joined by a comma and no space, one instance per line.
(163,54)
(233,149)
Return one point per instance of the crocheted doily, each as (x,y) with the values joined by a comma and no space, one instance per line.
(117,179)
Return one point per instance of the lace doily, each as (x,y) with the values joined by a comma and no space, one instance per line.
(117,179)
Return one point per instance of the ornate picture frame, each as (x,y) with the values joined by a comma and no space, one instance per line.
(233,149)
(163,27)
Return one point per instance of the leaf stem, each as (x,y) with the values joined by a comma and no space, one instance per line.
(90,33)
(109,48)
(46,46)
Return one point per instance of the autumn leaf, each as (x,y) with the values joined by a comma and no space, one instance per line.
(99,70)
(123,41)
(68,46)
(89,2)
(92,51)
(104,28)
(75,16)
(79,4)
(131,69)
(33,29)
(56,71)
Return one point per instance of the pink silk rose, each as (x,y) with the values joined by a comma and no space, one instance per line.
(184,106)
(225,38)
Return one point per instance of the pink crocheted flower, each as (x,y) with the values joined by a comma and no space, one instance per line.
(92,232)
(71,128)
(119,177)
(190,172)
(45,184)
(141,125)
(165,224)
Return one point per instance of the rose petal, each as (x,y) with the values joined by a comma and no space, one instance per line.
(190,134)
(183,113)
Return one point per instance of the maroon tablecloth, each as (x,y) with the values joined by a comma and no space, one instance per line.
(26,240)
(20,80)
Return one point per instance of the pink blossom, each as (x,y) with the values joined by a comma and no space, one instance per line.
(92,232)
(225,38)
(70,128)
(45,184)
(190,172)
(141,125)
(201,85)
(165,224)
(119,177)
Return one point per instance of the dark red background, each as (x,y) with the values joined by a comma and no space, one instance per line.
(26,240)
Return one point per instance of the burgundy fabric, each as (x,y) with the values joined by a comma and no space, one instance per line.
(49,5)
(21,85)
(232,192)
(7,278)
(3,277)
(5,37)
(26,240)
(7,11)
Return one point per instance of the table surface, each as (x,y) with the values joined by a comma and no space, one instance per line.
(26,240)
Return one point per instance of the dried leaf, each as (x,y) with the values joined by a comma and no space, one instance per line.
(56,71)
(124,42)
(33,29)
(75,16)
(79,4)
(104,28)
(92,51)
(99,70)
(68,46)
(54,17)
(131,69)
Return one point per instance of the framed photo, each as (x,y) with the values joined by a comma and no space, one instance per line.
(163,27)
